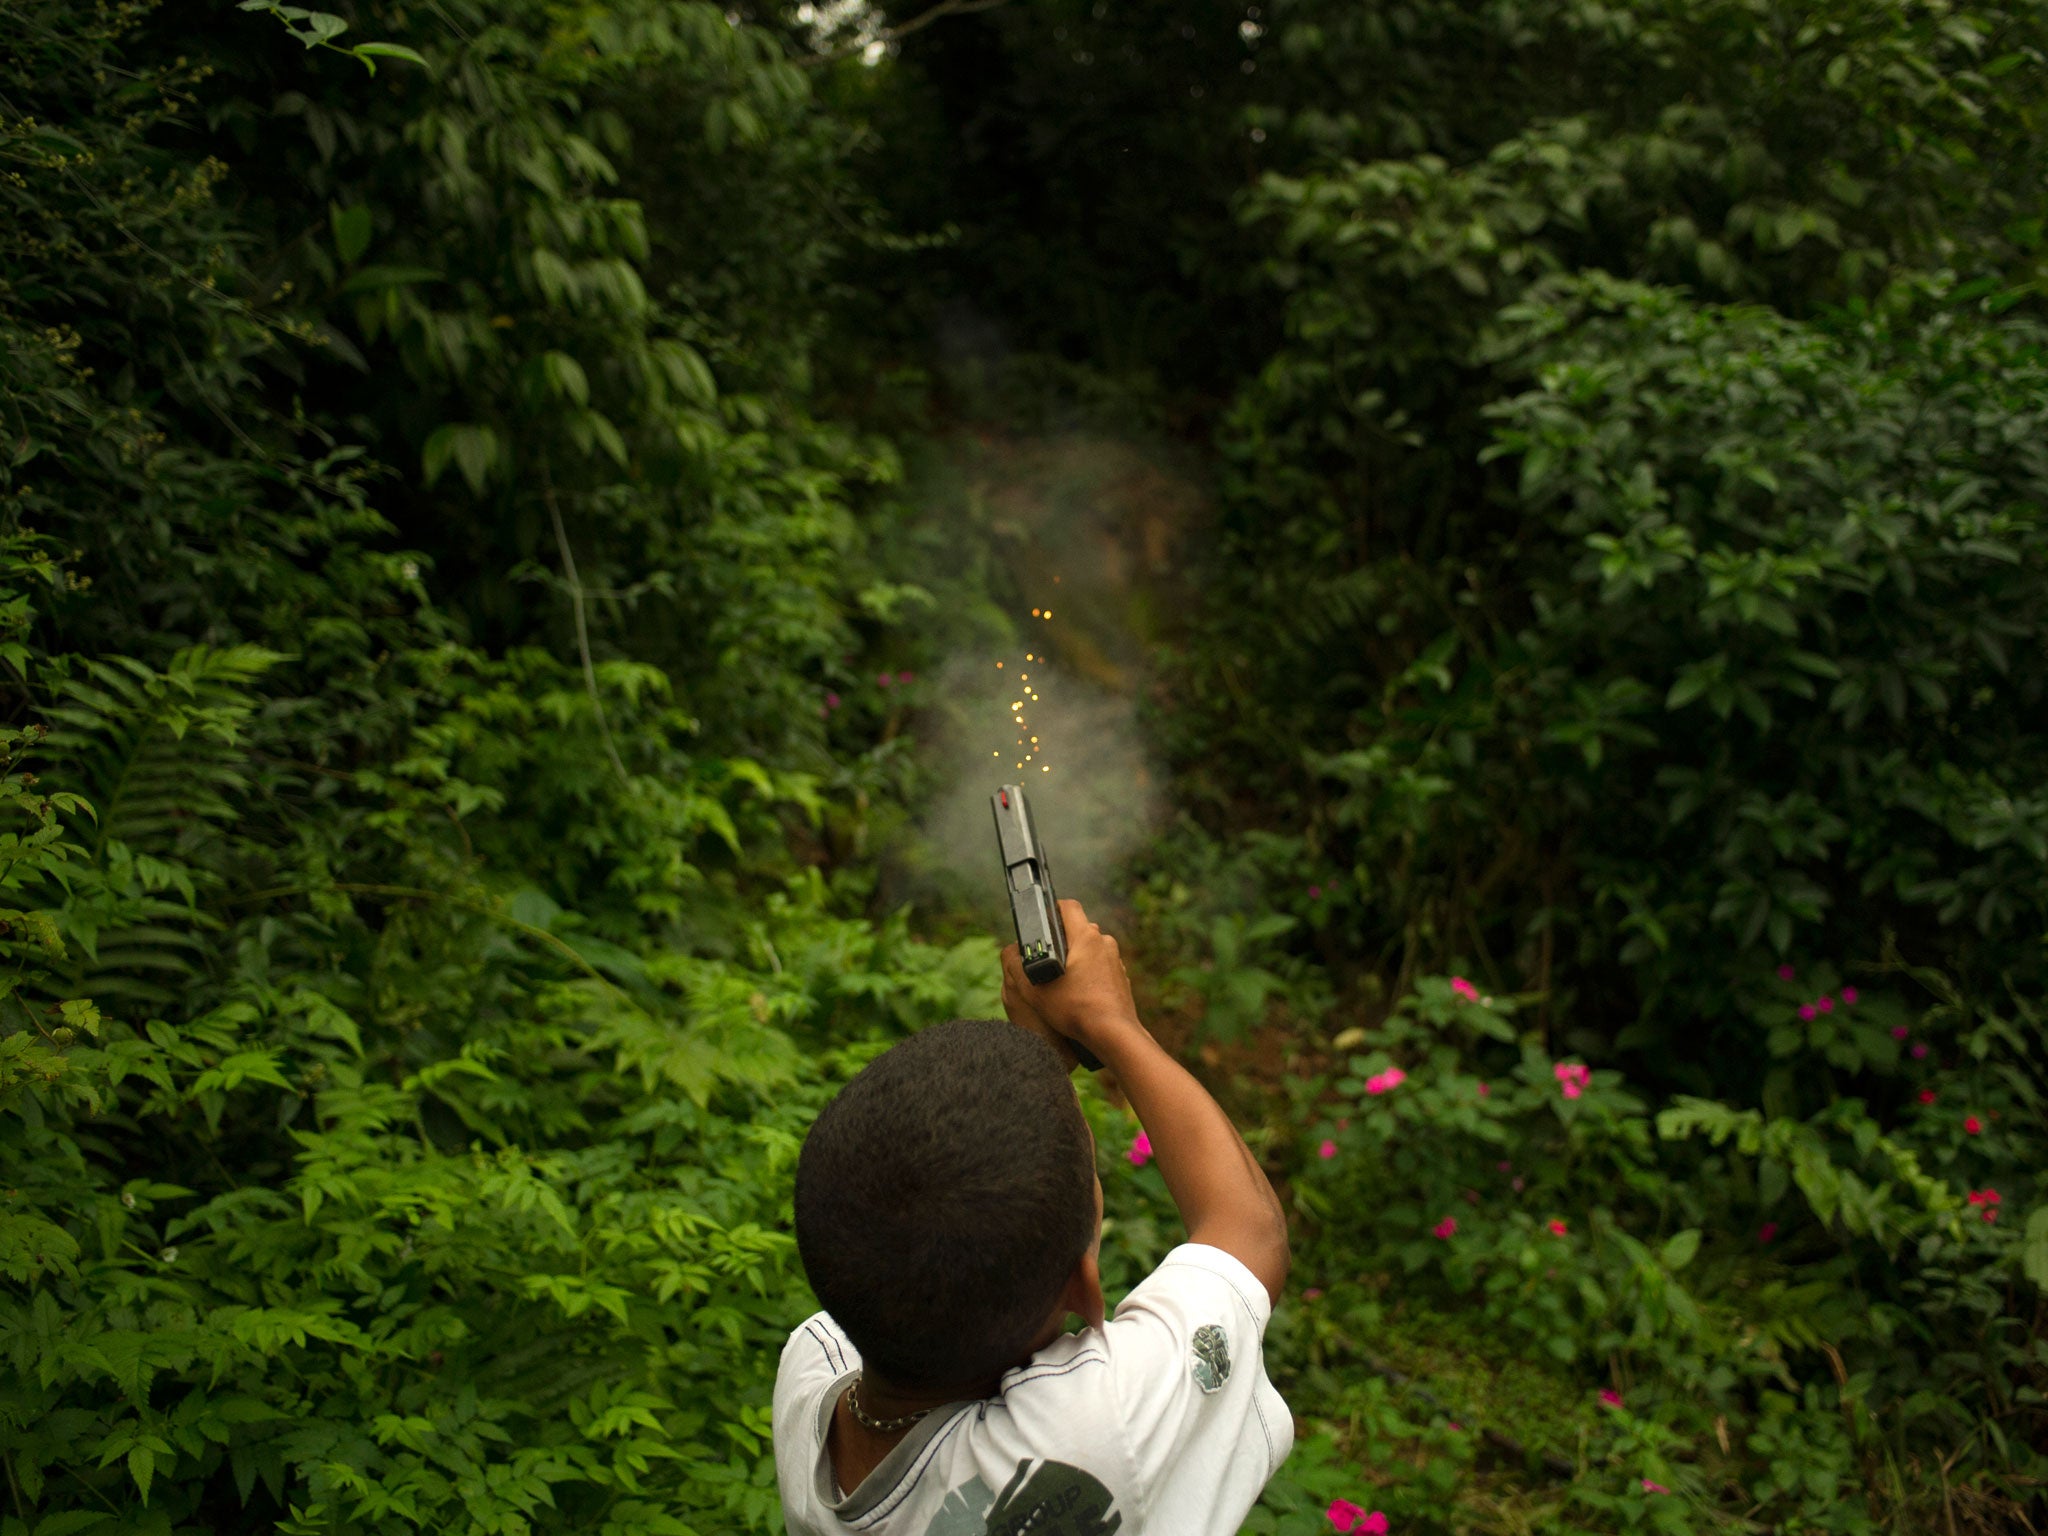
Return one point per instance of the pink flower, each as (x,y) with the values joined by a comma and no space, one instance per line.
(1380,1082)
(1920,1051)
(1327,1150)
(1446,1227)
(1650,1487)
(1312,1293)
(831,700)
(1503,1166)
(906,677)
(1516,1184)
(1807,1010)
(1927,1095)
(1559,1229)
(1610,1397)
(1983,1197)
(1991,1215)
(1352,1518)
(1571,1078)
(1825,1003)
(1899,1031)
(882,679)
(1485,1092)
(1315,893)
(1972,1125)
(1786,973)
(1464,989)
(1849,996)
(1767,1231)
(1141,1150)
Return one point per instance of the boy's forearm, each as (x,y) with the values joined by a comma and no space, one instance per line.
(1222,1193)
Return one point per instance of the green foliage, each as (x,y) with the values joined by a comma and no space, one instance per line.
(441,510)
(412,1004)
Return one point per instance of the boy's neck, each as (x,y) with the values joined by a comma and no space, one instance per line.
(880,1400)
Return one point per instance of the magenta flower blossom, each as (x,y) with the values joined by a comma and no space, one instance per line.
(1312,1293)
(1464,989)
(1353,1519)
(1559,1229)
(1786,973)
(831,700)
(906,677)
(1920,1052)
(1899,1031)
(1327,1150)
(1849,996)
(1824,1003)
(1446,1228)
(1767,1231)
(1571,1077)
(1380,1082)
(1485,1092)
(1315,893)
(1808,1011)
(1610,1397)
(1503,1166)
(882,679)
(1972,1125)
(1141,1150)
(1650,1487)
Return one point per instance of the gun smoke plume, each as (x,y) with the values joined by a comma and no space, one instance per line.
(1087,525)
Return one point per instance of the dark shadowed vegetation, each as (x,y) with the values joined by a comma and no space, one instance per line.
(495,497)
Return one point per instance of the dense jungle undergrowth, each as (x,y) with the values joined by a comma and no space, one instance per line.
(490,495)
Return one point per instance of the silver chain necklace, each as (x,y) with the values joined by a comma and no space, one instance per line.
(879,1426)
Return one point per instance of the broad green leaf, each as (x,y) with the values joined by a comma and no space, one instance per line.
(351,231)
(1679,1249)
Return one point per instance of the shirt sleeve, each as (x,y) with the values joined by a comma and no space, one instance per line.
(816,1355)
(1187,1368)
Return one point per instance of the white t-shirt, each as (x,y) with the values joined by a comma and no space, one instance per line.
(1162,1421)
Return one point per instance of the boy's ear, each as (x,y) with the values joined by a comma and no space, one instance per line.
(1083,1294)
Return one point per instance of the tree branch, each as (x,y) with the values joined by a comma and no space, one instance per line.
(604,725)
(916,23)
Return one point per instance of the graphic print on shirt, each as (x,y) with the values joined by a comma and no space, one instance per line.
(964,1512)
(1212,1357)
(1046,1498)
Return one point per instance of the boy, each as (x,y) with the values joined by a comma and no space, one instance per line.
(948,1216)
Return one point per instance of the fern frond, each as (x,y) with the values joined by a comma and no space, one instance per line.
(159,757)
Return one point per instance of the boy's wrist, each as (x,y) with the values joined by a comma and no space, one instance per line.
(1108,1034)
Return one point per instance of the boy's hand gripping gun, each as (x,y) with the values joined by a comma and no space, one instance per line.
(1041,936)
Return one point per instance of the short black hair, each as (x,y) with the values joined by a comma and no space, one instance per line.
(943,1198)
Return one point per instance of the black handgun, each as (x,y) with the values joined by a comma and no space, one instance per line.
(1041,936)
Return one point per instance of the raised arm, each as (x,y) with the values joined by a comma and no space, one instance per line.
(1217,1185)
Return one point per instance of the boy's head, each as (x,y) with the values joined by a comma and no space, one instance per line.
(943,1200)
